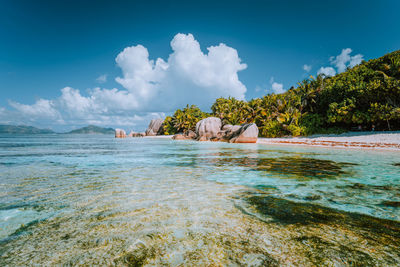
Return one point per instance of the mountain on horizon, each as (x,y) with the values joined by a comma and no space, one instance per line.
(91,129)
(22,129)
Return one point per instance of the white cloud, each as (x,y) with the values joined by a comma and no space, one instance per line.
(151,88)
(355,60)
(102,78)
(327,71)
(41,109)
(188,76)
(307,67)
(102,107)
(277,88)
(344,60)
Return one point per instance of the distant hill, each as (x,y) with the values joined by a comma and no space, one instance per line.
(91,129)
(12,129)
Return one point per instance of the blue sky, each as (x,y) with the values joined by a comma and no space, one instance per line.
(54,54)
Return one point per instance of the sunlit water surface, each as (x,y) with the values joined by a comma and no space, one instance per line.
(95,199)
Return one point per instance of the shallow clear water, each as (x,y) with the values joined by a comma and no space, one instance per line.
(168,191)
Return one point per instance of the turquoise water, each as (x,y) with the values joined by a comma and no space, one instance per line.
(160,187)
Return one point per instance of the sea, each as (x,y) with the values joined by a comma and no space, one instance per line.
(75,199)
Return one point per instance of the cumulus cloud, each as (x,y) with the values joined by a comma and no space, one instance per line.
(276,88)
(102,78)
(345,60)
(342,61)
(188,76)
(102,107)
(41,109)
(355,60)
(307,67)
(150,88)
(327,71)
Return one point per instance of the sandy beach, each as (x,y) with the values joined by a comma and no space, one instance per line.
(364,140)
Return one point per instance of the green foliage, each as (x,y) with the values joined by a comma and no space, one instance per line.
(183,120)
(279,115)
(232,111)
(366,95)
(384,113)
(169,126)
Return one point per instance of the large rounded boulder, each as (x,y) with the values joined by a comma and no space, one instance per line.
(155,127)
(247,133)
(208,128)
(119,133)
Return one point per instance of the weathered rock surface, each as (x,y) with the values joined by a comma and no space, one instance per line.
(227,132)
(179,136)
(155,127)
(188,135)
(119,133)
(136,134)
(211,129)
(208,128)
(247,133)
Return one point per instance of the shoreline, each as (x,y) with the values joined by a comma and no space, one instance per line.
(359,140)
(355,140)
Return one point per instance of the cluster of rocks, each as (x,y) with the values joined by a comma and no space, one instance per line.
(135,134)
(208,129)
(119,133)
(211,129)
(155,128)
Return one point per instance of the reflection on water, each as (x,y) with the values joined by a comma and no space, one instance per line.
(72,199)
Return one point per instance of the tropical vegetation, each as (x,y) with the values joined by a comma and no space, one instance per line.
(183,120)
(366,96)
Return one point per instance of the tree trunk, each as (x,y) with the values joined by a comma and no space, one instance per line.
(388,124)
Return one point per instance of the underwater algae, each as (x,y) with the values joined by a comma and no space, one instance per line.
(327,236)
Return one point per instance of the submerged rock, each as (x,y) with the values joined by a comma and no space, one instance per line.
(330,237)
(394,204)
(313,197)
(155,127)
(208,128)
(119,133)
(136,254)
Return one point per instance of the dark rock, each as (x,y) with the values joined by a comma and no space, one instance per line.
(395,204)
(313,197)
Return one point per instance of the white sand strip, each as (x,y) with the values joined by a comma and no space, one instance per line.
(368,140)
